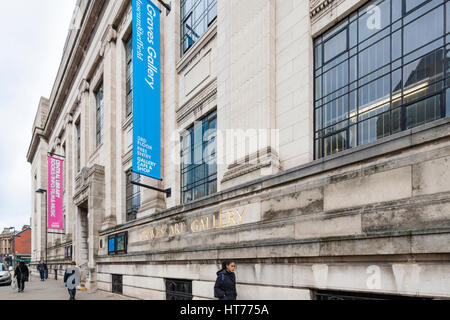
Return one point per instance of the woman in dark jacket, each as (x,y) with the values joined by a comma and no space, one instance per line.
(21,273)
(225,287)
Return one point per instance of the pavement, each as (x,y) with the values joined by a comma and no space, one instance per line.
(52,290)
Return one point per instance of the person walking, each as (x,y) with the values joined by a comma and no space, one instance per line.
(72,278)
(21,273)
(42,268)
(225,287)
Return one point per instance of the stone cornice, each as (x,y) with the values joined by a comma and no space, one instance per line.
(317,6)
(77,45)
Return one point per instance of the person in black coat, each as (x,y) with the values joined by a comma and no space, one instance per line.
(21,273)
(225,287)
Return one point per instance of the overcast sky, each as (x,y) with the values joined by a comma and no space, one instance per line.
(33,34)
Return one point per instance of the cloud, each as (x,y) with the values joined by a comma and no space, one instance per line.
(33,35)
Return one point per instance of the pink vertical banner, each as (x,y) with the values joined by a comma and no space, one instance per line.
(55,193)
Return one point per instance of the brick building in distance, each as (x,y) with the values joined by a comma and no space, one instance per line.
(22,244)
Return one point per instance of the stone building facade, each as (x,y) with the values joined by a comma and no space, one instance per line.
(6,243)
(344,194)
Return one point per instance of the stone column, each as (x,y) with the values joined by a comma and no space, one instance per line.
(108,52)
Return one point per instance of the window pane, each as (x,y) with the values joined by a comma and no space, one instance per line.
(196,16)
(374,128)
(198,177)
(447,103)
(376,17)
(423,111)
(336,45)
(414,37)
(411,4)
(335,143)
(374,57)
(112,244)
(336,78)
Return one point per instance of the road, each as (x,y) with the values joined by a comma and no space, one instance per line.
(51,290)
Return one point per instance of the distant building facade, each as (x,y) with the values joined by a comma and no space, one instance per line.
(6,244)
(346,194)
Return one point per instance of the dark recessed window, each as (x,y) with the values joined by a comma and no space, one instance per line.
(133,195)
(377,73)
(129,77)
(117,283)
(99,115)
(178,289)
(199,159)
(78,129)
(68,252)
(196,16)
(117,244)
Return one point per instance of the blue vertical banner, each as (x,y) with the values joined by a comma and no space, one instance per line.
(146,89)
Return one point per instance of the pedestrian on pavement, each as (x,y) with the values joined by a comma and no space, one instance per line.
(21,274)
(72,278)
(42,268)
(225,287)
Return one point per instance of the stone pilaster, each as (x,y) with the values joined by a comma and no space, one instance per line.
(68,176)
(246,46)
(108,52)
(83,100)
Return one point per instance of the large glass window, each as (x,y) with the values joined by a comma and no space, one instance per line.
(99,114)
(380,72)
(199,159)
(133,195)
(196,16)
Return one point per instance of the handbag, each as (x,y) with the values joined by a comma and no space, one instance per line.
(14,284)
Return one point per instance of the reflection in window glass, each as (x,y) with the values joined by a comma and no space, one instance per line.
(413,34)
(390,80)
(374,18)
(199,159)
(196,16)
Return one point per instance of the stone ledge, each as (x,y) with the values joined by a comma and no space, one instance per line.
(373,245)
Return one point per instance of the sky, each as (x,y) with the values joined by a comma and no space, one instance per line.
(33,34)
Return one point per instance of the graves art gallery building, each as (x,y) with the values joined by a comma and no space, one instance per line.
(307,140)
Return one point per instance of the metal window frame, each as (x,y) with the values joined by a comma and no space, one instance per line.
(184,294)
(203,18)
(354,87)
(130,195)
(207,179)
